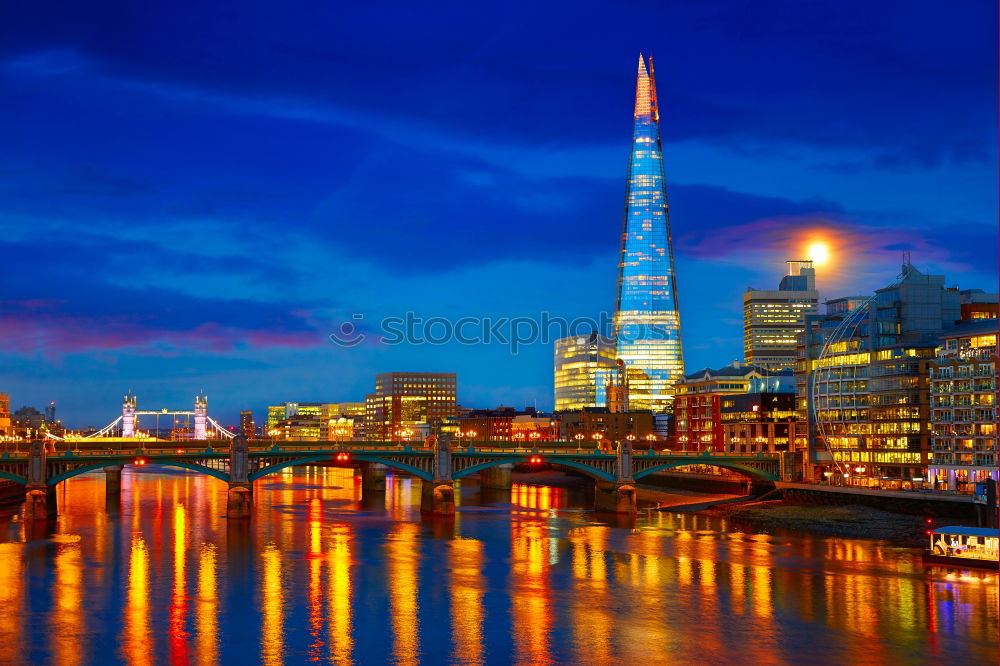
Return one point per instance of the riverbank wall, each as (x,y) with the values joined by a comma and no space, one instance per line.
(916,503)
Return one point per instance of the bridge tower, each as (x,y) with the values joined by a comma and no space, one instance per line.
(200,417)
(128,416)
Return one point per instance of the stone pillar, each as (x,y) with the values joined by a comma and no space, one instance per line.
(496,478)
(39,498)
(437,498)
(240,500)
(614,497)
(373,476)
(39,503)
(113,480)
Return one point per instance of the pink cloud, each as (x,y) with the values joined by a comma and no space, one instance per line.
(55,334)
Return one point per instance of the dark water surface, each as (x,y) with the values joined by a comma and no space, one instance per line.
(318,575)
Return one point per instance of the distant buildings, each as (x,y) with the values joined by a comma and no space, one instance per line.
(506,424)
(774,319)
(582,366)
(409,405)
(702,396)
(50,412)
(592,425)
(247,428)
(863,380)
(647,326)
(314,421)
(963,387)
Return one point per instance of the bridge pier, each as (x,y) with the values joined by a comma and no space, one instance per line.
(113,480)
(499,477)
(437,498)
(614,497)
(40,503)
(240,500)
(373,477)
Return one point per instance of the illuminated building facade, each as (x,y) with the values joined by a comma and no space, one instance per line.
(275,415)
(583,364)
(759,421)
(647,325)
(5,427)
(343,421)
(592,425)
(407,405)
(702,395)
(534,427)
(774,319)
(963,385)
(863,382)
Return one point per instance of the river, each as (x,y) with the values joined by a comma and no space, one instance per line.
(535,578)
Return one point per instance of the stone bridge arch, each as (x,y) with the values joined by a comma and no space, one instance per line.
(422,474)
(748,471)
(83,469)
(592,472)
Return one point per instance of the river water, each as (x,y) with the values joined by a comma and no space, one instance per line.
(532,578)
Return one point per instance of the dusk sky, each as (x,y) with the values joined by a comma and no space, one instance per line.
(193,196)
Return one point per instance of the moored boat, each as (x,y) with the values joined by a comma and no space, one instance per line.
(960,546)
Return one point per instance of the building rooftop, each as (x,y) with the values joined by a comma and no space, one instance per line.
(971,327)
(736,370)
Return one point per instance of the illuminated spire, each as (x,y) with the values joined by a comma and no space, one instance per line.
(642,91)
(652,92)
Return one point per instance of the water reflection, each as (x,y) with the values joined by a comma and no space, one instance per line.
(529,588)
(467,585)
(207,606)
(340,591)
(135,638)
(402,581)
(311,577)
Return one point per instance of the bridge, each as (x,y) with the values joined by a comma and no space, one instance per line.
(439,464)
(197,424)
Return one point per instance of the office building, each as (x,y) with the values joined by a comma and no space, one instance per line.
(977,304)
(760,421)
(407,406)
(863,381)
(343,421)
(774,319)
(647,326)
(247,428)
(963,386)
(582,365)
(701,396)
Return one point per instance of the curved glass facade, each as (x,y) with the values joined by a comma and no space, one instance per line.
(647,321)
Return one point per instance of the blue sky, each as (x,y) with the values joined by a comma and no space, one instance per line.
(192,198)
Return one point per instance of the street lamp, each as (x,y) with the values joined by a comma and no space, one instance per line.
(579,440)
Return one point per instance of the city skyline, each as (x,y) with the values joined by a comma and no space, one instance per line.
(135,265)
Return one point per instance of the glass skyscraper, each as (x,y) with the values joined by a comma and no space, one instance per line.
(647,322)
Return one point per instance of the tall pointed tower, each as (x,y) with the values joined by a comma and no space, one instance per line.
(647,322)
